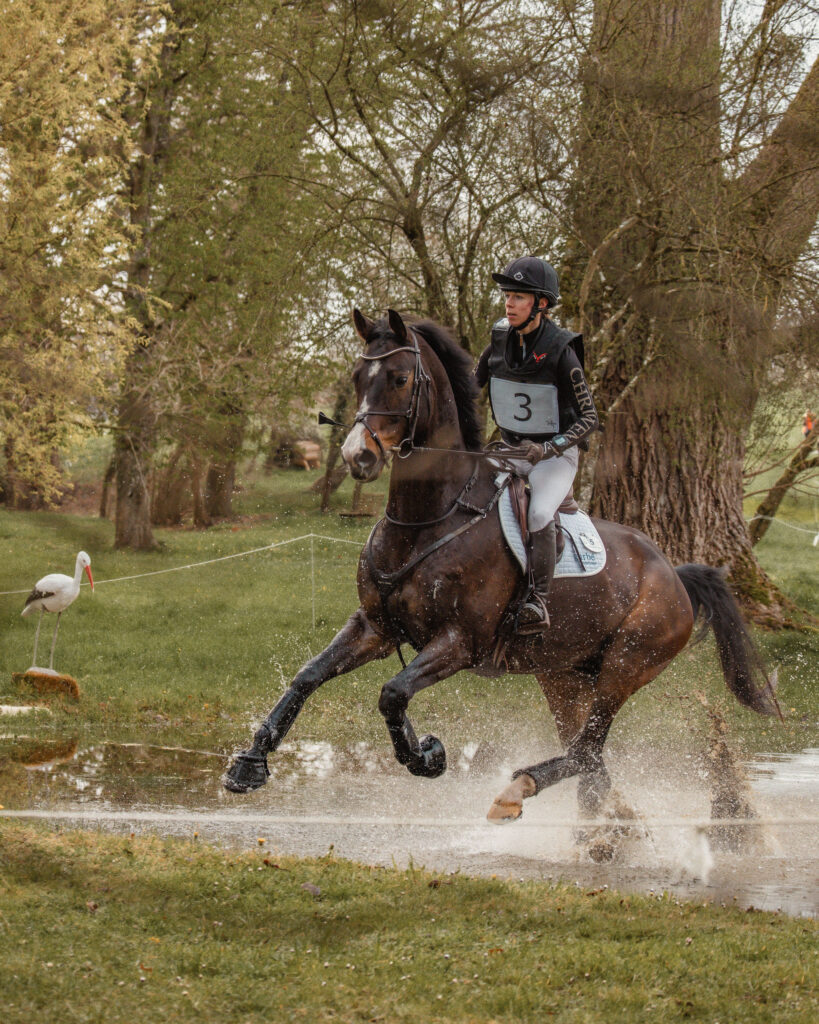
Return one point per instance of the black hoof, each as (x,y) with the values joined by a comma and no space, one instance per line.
(248,772)
(433,758)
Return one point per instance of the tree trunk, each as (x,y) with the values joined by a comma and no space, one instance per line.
(135,438)
(221,476)
(804,458)
(676,322)
(105,493)
(133,450)
(332,479)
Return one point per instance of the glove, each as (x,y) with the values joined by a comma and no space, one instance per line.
(531,452)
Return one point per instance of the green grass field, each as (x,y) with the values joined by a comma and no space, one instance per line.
(198,654)
(143,930)
(105,928)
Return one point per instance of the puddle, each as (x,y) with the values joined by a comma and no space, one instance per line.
(368,808)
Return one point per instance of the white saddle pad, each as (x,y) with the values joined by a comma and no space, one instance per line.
(584,553)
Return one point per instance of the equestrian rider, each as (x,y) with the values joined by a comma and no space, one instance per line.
(542,403)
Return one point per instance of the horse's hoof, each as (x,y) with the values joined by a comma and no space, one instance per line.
(432,762)
(509,805)
(503,811)
(248,772)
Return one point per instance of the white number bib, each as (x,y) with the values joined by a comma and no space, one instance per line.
(525,408)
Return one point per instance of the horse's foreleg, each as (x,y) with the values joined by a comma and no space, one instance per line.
(355,645)
(441,658)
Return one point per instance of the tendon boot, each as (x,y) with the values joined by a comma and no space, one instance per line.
(542,551)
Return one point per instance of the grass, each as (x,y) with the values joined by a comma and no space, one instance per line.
(143,929)
(197,656)
(100,927)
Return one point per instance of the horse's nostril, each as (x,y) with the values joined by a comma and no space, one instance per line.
(366,459)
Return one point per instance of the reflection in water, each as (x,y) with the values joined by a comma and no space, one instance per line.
(360,801)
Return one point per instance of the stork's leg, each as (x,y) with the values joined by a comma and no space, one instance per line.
(37,636)
(54,642)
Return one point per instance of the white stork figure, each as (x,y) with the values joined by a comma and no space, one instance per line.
(54,593)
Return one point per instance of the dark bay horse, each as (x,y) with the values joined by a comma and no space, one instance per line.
(437,574)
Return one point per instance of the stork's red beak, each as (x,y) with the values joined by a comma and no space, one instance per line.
(90,577)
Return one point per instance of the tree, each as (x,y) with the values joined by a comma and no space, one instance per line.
(410,107)
(212,283)
(62,332)
(696,192)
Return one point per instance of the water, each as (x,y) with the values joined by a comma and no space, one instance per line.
(368,808)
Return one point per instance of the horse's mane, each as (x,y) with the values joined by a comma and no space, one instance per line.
(458,366)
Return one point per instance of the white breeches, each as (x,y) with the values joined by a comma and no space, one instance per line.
(549,481)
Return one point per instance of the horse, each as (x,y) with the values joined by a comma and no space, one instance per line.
(437,574)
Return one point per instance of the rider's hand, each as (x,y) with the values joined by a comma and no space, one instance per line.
(531,452)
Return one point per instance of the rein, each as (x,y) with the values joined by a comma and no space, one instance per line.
(458,503)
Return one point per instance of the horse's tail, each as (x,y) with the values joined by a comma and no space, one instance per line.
(741,662)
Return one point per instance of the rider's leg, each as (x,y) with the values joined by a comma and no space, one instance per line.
(543,552)
(550,481)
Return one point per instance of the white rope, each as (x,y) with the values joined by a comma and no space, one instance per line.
(209,561)
(782,522)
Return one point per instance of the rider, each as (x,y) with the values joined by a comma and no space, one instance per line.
(542,404)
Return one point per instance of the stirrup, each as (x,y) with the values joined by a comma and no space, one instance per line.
(536,615)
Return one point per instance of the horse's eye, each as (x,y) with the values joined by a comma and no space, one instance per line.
(401,381)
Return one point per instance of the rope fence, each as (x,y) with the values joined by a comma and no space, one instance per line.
(312,537)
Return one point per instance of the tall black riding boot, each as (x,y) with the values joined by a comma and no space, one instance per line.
(533,615)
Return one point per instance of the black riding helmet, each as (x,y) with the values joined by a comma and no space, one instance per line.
(531,274)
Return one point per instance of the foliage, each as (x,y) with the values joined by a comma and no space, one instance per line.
(62,238)
(415,113)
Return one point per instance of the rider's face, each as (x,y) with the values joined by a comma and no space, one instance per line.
(519,306)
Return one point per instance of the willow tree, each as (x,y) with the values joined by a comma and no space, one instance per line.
(62,331)
(696,193)
(212,278)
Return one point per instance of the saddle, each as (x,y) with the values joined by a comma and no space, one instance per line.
(519,495)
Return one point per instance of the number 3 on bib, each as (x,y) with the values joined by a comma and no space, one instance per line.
(524,408)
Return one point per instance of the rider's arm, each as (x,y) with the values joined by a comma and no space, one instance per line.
(482,369)
(573,380)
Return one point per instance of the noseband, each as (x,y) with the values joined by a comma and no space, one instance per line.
(420,380)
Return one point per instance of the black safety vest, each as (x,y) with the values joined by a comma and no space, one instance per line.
(521,407)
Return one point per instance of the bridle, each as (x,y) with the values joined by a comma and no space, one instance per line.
(497,451)
(421,380)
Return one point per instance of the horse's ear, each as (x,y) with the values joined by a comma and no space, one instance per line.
(397,325)
(363,326)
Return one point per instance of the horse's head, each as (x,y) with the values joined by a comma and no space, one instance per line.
(390,385)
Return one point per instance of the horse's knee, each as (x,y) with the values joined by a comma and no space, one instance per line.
(393,699)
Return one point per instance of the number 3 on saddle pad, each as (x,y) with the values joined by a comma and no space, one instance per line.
(524,408)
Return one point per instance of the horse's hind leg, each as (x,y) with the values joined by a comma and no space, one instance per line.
(355,645)
(583,719)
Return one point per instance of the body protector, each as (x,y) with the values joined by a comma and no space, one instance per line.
(538,392)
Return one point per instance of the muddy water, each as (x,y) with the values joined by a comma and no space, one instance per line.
(361,803)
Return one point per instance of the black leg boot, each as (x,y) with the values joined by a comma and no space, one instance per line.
(533,615)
